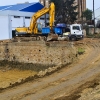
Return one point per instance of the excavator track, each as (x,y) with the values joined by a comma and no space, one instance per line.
(31,38)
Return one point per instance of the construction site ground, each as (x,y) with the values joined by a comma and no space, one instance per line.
(77,81)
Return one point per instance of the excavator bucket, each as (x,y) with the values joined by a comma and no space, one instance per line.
(52,37)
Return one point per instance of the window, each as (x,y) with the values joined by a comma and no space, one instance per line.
(76,28)
(27,17)
(44,18)
(16,16)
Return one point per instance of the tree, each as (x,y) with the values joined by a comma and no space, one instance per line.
(57,4)
(65,11)
(87,14)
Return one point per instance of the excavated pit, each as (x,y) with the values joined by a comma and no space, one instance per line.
(76,51)
(24,61)
(14,59)
(15,73)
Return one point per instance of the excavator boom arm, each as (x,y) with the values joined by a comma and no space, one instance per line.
(51,10)
(32,29)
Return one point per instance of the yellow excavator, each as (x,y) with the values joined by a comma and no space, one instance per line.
(32,29)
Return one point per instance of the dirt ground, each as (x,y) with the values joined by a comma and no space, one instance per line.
(11,76)
(77,81)
(16,73)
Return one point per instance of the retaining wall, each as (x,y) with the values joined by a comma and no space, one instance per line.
(38,52)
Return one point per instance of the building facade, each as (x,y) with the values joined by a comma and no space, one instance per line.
(45,2)
(18,15)
(81,7)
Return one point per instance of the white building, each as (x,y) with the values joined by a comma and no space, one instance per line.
(97,13)
(18,15)
(97,16)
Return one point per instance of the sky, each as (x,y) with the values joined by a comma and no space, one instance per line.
(11,2)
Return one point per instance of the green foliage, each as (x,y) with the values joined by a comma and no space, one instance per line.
(65,11)
(81,51)
(87,14)
(57,4)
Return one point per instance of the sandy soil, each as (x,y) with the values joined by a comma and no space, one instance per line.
(75,81)
(8,77)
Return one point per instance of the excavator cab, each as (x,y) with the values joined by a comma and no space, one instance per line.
(39,27)
(23,31)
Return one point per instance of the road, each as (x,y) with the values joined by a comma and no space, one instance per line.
(61,83)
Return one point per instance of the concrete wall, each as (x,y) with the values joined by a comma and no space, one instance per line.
(38,52)
(4,27)
(91,30)
(9,22)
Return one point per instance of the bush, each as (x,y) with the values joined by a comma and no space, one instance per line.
(81,51)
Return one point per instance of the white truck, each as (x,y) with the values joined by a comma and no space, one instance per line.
(74,32)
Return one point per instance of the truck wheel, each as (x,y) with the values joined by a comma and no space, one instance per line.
(73,38)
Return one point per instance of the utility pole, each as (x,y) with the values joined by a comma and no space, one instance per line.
(82,12)
(94,16)
(45,14)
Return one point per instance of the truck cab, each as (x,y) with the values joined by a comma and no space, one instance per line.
(76,32)
(73,31)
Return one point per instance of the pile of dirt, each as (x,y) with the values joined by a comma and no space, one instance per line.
(92,92)
(88,91)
